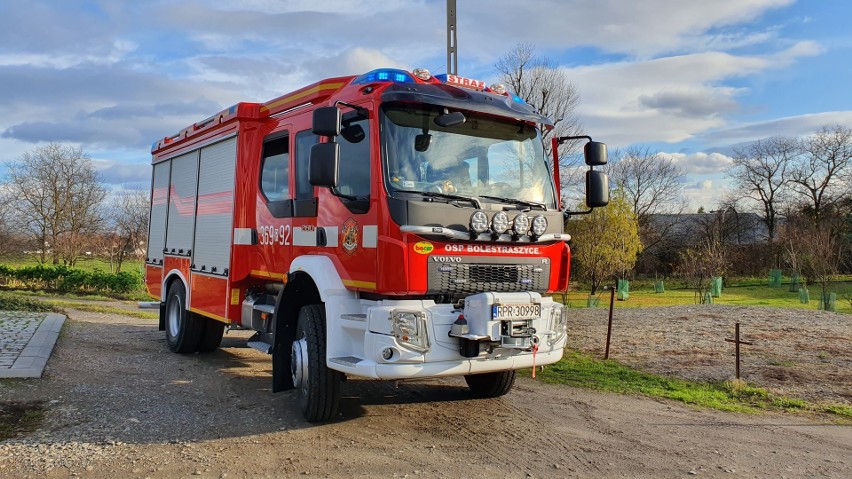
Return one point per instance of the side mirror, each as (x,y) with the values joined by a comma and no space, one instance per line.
(595,153)
(325,164)
(326,121)
(597,188)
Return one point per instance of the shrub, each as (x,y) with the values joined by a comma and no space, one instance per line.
(16,302)
(63,279)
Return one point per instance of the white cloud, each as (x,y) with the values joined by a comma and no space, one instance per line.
(707,193)
(701,163)
(121,173)
(788,126)
(641,29)
(668,99)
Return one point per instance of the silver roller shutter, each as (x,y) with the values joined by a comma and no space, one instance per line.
(214,225)
(181,220)
(159,207)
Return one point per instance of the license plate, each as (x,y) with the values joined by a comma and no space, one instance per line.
(515,311)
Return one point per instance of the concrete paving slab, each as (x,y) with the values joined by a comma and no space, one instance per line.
(27,342)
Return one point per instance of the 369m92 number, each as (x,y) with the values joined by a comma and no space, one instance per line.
(272,235)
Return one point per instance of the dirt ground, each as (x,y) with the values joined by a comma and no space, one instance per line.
(804,354)
(120,405)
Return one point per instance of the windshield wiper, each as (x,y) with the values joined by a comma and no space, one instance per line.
(515,201)
(435,194)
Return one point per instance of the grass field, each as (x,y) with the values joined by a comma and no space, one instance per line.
(740,291)
(85,263)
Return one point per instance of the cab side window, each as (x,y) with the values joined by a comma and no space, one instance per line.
(304,141)
(354,142)
(275,169)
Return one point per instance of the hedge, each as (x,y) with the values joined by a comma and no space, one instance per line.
(68,280)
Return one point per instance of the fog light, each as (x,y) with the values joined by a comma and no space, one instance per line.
(521,224)
(539,225)
(500,223)
(478,222)
(387,353)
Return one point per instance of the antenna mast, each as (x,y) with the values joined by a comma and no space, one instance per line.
(452,40)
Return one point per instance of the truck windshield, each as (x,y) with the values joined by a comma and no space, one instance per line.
(495,159)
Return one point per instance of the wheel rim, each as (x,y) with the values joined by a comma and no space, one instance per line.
(299,364)
(174,315)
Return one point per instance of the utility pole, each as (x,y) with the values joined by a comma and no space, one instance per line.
(452,40)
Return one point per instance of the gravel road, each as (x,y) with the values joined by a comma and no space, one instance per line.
(118,404)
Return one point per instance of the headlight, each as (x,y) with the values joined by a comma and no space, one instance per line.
(539,225)
(479,222)
(558,324)
(521,224)
(409,328)
(500,222)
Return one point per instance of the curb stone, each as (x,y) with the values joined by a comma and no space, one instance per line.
(30,349)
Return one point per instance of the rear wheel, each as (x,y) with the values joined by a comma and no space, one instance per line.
(181,327)
(211,334)
(317,386)
(490,385)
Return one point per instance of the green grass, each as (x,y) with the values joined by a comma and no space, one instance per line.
(18,302)
(98,308)
(740,292)
(85,263)
(581,370)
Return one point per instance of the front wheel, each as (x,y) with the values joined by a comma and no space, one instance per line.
(317,386)
(490,385)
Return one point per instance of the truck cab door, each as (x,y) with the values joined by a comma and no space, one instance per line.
(275,206)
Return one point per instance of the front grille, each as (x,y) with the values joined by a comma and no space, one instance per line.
(469,277)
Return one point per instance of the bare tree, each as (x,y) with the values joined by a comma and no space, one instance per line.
(653,185)
(699,264)
(128,230)
(56,194)
(816,250)
(818,177)
(761,170)
(547,89)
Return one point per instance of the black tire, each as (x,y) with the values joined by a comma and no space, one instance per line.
(181,327)
(211,334)
(317,386)
(490,385)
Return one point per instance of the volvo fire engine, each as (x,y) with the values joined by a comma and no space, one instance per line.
(389,225)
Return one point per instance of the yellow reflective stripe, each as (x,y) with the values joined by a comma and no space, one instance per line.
(209,315)
(267,274)
(359,284)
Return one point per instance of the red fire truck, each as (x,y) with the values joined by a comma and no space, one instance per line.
(389,225)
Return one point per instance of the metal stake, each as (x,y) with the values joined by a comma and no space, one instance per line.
(737,342)
(609,324)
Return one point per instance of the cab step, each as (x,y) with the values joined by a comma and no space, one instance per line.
(255,342)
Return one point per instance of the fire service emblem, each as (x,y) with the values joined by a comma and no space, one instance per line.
(350,236)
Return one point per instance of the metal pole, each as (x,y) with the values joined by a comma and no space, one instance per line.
(609,323)
(737,342)
(452,40)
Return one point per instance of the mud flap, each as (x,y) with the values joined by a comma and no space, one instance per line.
(162,316)
(282,379)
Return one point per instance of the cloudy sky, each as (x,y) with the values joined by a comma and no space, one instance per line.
(690,79)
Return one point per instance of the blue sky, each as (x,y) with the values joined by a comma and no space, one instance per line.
(689,79)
